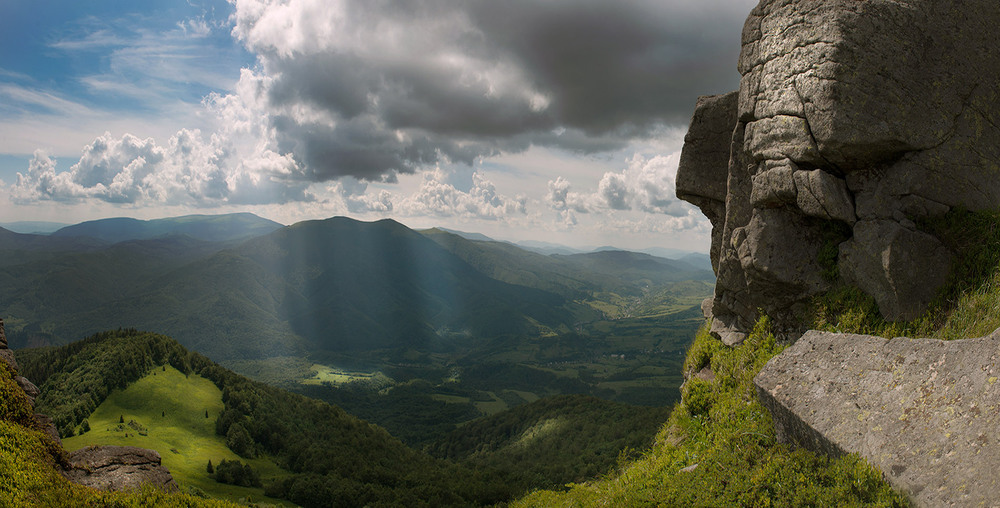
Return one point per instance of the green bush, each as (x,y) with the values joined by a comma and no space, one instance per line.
(235,472)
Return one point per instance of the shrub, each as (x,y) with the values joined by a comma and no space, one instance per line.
(235,472)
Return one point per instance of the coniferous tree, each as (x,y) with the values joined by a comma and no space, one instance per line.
(210,468)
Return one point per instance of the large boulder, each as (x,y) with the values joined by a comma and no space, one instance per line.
(923,411)
(853,119)
(119,468)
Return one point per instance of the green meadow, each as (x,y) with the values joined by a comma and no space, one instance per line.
(166,411)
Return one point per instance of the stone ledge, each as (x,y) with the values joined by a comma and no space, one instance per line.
(924,411)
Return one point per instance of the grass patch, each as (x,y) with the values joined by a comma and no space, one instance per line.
(492,406)
(967,306)
(339,377)
(166,411)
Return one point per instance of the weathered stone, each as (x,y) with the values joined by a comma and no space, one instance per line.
(7,356)
(774,187)
(706,149)
(820,194)
(119,468)
(780,255)
(705,159)
(890,109)
(901,268)
(706,374)
(726,331)
(45,424)
(923,411)
(29,388)
(781,137)
(706,307)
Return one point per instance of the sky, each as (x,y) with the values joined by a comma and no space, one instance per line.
(548,120)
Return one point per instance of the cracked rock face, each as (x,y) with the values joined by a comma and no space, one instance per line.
(852,120)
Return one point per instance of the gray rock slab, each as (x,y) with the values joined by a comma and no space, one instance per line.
(924,411)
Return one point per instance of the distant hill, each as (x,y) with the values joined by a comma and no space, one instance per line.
(478,237)
(697,260)
(570,275)
(214,228)
(547,248)
(33,227)
(11,241)
(636,267)
(337,284)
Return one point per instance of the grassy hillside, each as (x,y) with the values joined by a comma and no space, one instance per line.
(173,413)
(28,459)
(328,454)
(554,440)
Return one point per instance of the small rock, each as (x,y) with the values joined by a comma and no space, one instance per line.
(706,374)
(29,388)
(688,469)
(45,424)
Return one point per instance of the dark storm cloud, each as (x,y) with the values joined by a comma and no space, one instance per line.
(614,64)
(370,88)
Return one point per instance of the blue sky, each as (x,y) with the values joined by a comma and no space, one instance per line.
(556,120)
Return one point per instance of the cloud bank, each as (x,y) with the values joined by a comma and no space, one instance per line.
(348,92)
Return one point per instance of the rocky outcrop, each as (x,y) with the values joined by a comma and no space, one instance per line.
(101,467)
(853,120)
(119,468)
(923,411)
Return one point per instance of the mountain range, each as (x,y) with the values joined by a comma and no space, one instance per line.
(238,287)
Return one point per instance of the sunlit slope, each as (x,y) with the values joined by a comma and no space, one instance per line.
(174,414)
(28,460)
(361,285)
